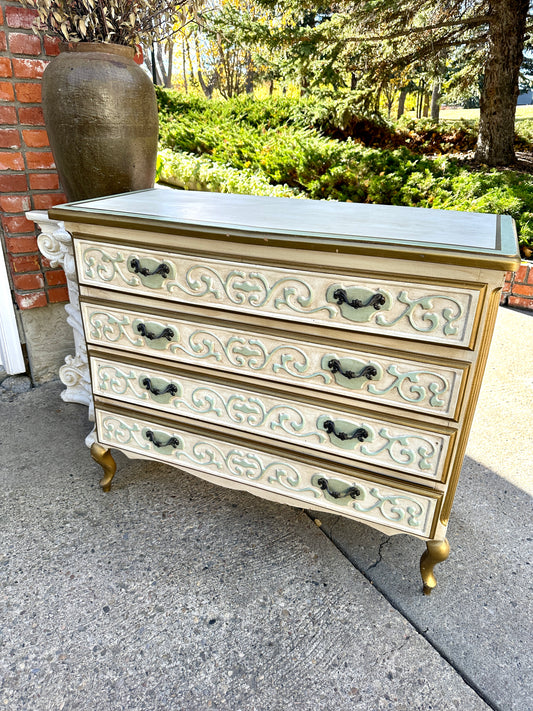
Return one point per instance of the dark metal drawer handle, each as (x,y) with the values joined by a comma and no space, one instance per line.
(163,269)
(360,433)
(167,333)
(171,442)
(170,388)
(377,300)
(352,491)
(367,372)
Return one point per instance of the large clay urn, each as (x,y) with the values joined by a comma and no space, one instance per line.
(100,112)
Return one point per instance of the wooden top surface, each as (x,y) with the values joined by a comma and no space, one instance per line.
(301,221)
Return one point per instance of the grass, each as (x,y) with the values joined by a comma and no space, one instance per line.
(522,112)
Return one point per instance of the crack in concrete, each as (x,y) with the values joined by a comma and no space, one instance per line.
(380,554)
(423,632)
(334,524)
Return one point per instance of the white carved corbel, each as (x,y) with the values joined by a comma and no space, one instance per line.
(55,243)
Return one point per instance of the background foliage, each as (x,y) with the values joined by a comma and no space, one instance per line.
(315,150)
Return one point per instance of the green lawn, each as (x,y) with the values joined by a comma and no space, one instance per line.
(522,112)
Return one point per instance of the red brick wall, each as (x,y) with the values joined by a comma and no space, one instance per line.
(28,179)
(518,289)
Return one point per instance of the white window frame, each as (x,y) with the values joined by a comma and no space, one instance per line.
(11,357)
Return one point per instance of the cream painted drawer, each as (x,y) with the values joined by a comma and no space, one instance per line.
(408,384)
(399,508)
(439,314)
(367,439)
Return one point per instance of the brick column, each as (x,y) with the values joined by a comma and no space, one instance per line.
(28,179)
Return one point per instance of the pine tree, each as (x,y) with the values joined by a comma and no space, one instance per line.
(375,37)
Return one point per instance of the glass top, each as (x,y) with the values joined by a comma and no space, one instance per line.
(327,220)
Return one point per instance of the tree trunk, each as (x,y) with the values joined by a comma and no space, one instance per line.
(377,101)
(304,81)
(420,100)
(190,62)
(205,87)
(150,63)
(427,96)
(401,102)
(435,96)
(170,48)
(249,80)
(184,67)
(495,144)
(389,98)
(161,64)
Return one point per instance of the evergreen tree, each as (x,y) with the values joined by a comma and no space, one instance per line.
(374,37)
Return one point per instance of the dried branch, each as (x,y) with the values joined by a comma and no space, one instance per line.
(126,22)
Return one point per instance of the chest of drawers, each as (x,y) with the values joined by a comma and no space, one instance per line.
(323,355)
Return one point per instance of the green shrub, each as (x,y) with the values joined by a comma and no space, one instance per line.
(524,131)
(200,173)
(339,118)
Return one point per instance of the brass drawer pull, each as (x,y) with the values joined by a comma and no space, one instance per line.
(352,491)
(163,269)
(170,388)
(367,372)
(171,442)
(167,333)
(360,433)
(377,300)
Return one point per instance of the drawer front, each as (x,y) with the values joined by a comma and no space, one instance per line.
(429,313)
(411,385)
(364,439)
(396,507)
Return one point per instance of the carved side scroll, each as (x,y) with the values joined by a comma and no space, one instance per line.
(55,243)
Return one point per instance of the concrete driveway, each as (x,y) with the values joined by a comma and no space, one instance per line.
(171,593)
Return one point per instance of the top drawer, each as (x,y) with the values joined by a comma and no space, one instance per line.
(439,314)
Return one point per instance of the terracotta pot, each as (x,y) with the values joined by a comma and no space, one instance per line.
(100,112)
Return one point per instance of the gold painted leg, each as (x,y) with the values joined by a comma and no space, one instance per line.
(437,552)
(103,457)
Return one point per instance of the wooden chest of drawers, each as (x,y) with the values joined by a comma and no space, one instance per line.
(319,354)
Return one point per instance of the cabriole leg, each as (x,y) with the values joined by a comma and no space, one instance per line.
(103,457)
(437,552)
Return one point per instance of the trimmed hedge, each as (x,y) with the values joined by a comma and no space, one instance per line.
(198,173)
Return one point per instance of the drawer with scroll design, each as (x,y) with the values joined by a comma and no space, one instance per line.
(366,439)
(409,384)
(404,508)
(439,314)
